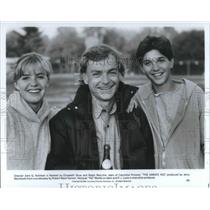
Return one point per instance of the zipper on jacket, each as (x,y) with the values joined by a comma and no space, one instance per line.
(163,157)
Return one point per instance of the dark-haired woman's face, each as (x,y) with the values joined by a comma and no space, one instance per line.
(157,67)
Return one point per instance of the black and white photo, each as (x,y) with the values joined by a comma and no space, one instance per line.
(125,97)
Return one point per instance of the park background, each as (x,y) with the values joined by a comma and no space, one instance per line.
(64,46)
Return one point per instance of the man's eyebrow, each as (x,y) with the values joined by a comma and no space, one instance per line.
(95,70)
(112,69)
(115,68)
(147,59)
(41,73)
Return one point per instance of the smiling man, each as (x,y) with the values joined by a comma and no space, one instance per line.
(95,131)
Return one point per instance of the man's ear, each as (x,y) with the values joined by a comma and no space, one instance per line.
(121,77)
(85,79)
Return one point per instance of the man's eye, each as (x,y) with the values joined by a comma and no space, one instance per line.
(114,72)
(96,74)
(41,77)
(25,77)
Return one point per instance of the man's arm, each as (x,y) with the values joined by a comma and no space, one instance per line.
(147,135)
(61,154)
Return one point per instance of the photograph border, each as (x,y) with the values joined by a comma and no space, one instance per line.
(59,179)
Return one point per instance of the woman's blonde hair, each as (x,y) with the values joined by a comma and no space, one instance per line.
(32,59)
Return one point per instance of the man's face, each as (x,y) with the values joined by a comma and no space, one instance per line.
(102,78)
(157,67)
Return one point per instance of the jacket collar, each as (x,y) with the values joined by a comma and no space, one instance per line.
(83,101)
(146,90)
(97,109)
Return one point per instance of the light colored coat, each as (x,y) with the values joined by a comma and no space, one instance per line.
(28,135)
(184,144)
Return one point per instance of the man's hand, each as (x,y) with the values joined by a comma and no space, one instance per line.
(132,105)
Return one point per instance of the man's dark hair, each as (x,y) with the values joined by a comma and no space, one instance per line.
(98,53)
(162,44)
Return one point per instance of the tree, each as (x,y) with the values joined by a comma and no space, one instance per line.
(29,40)
(189,52)
(65,50)
(189,45)
(13,44)
(114,38)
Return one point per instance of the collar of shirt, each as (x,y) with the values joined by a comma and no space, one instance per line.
(169,92)
(97,109)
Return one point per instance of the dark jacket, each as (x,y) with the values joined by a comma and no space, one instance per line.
(73,134)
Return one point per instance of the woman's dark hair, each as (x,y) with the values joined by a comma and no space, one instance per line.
(162,44)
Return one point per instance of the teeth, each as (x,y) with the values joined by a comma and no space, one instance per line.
(34,91)
(105,88)
(158,74)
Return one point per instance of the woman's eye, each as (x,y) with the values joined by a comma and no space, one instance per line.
(147,62)
(161,60)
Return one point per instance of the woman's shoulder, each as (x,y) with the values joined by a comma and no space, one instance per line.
(11,112)
(190,87)
(193,88)
(144,91)
(53,111)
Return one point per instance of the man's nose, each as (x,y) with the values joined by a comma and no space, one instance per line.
(105,78)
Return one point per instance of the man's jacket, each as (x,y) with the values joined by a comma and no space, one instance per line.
(73,134)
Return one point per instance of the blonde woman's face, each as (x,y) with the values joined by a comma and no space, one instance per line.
(32,85)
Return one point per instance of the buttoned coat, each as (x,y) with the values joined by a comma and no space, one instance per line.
(73,134)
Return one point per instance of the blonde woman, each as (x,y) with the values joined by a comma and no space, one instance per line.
(28,114)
